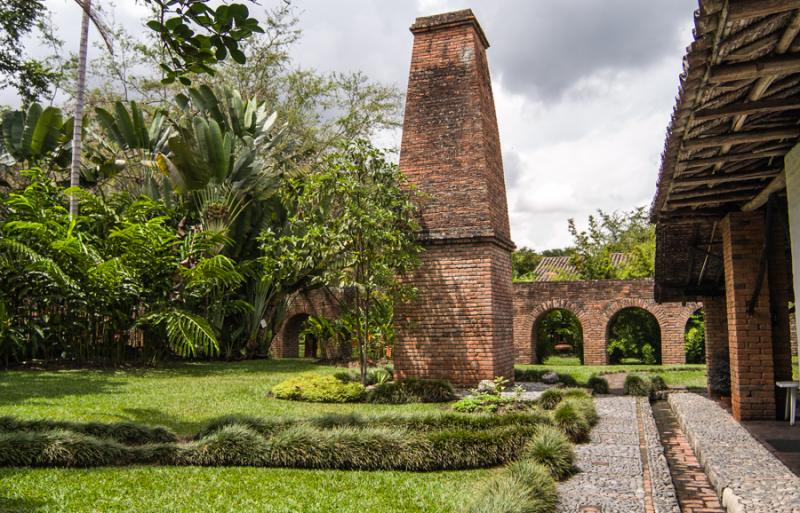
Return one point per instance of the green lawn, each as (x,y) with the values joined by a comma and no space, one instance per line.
(184,397)
(687,375)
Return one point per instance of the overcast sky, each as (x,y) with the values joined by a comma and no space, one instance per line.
(583,88)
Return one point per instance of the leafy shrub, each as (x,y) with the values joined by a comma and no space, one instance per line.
(463,448)
(526,487)
(598,384)
(636,385)
(657,382)
(550,447)
(412,390)
(480,403)
(616,351)
(550,398)
(319,389)
(649,356)
(127,433)
(374,376)
(569,417)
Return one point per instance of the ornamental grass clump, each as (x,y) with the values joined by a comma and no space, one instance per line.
(551,447)
(570,417)
(319,389)
(261,425)
(636,385)
(550,398)
(231,445)
(525,487)
(412,390)
(128,433)
(59,448)
(598,384)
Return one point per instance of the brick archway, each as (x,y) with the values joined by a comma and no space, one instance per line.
(317,302)
(613,310)
(538,313)
(594,303)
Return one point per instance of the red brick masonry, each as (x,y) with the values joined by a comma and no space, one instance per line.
(595,303)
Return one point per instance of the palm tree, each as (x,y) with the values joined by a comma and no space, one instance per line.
(75,166)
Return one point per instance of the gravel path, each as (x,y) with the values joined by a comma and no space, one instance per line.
(622,468)
(744,473)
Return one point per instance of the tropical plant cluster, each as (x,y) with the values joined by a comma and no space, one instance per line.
(193,232)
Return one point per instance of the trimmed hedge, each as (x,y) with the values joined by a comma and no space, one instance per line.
(412,390)
(526,487)
(319,389)
(636,385)
(127,433)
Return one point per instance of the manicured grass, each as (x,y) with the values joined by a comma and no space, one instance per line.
(184,397)
(686,375)
(234,489)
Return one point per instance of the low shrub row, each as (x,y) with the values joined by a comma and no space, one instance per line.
(535,375)
(298,446)
(340,388)
(128,433)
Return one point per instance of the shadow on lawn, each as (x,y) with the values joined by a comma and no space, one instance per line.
(19,386)
(16,505)
(154,417)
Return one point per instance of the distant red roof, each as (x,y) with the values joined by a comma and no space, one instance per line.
(560,267)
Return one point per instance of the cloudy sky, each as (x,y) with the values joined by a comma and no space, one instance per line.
(583,88)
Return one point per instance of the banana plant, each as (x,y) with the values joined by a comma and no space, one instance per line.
(36,137)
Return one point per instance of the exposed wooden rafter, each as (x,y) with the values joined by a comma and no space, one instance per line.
(742,138)
(777,184)
(721,178)
(741,9)
(761,106)
(768,66)
(711,200)
(732,157)
(706,193)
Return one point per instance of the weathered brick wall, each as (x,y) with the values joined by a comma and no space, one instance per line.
(716,327)
(316,302)
(595,303)
(459,327)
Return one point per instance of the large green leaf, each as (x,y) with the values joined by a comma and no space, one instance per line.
(46,132)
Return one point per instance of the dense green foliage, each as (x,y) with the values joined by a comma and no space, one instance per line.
(695,338)
(637,385)
(634,335)
(598,384)
(551,448)
(525,487)
(319,389)
(690,376)
(412,390)
(558,326)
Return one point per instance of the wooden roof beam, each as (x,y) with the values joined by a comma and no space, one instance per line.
(757,107)
(725,178)
(704,202)
(732,157)
(777,184)
(768,66)
(741,9)
(704,193)
(742,138)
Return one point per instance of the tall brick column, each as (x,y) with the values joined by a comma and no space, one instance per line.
(749,334)
(460,325)
(716,331)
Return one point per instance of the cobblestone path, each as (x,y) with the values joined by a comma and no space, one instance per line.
(694,491)
(622,468)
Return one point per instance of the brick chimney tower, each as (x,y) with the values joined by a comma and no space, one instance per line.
(460,325)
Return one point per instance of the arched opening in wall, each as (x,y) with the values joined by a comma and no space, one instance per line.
(558,338)
(633,336)
(694,335)
(296,343)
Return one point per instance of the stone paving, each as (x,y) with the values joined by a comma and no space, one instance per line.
(744,473)
(622,468)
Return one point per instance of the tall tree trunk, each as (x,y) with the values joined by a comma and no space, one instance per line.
(75,167)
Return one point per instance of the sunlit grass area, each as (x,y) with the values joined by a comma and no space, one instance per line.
(684,375)
(183,397)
